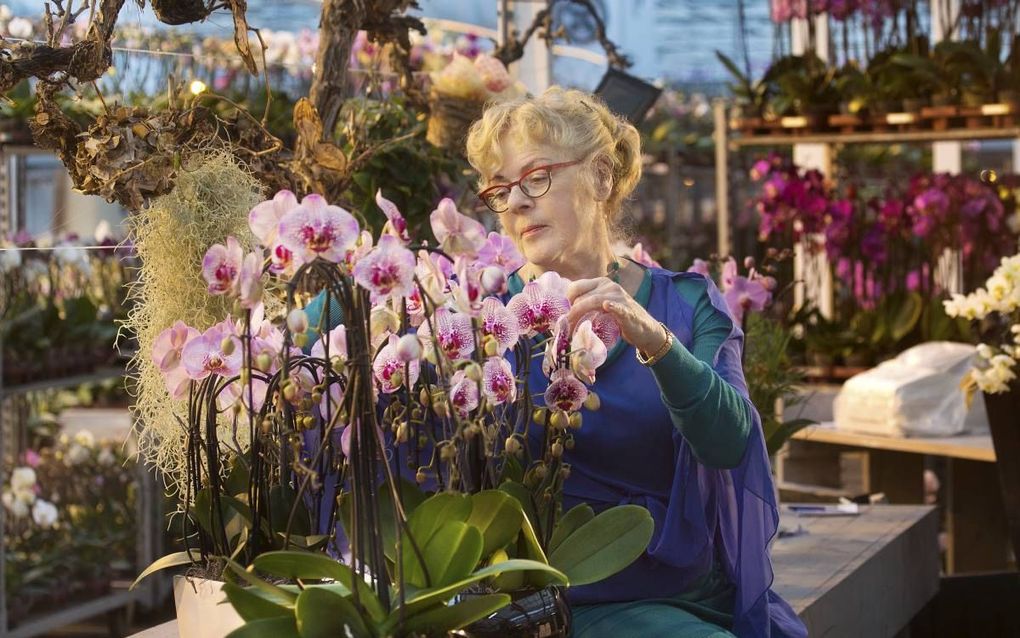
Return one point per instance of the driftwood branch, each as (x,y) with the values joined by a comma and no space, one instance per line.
(513,49)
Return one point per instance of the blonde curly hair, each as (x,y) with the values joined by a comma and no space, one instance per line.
(564,119)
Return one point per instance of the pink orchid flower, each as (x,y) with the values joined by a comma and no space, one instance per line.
(317,229)
(388,369)
(362,247)
(466,290)
(729,274)
(457,234)
(605,327)
(463,394)
(387,271)
(221,265)
(638,254)
(264,219)
(540,303)
(565,392)
(587,352)
(382,322)
(432,274)
(337,338)
(454,335)
(395,225)
(331,401)
(167,346)
(745,294)
(498,382)
(499,250)
(281,260)
(204,355)
(557,347)
(249,281)
(499,323)
(700,266)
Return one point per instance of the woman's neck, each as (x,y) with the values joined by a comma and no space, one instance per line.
(590,267)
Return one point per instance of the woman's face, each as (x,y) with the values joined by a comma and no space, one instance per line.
(555,231)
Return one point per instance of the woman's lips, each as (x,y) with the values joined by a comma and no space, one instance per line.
(531,230)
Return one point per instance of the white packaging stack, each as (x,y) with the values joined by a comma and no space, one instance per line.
(916,394)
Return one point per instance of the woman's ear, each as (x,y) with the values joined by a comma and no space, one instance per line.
(603,171)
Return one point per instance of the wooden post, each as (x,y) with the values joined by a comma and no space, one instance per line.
(722,187)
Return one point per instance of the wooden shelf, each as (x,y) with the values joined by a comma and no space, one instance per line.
(100,374)
(55,619)
(890,137)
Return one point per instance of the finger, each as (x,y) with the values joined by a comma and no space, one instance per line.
(583,286)
(587,304)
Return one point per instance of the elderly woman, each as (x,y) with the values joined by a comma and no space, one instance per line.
(676,432)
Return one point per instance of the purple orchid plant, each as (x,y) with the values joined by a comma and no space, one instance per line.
(424,381)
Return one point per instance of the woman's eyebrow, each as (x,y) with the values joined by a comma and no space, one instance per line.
(524,169)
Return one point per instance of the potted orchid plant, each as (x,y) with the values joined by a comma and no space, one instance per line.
(360,430)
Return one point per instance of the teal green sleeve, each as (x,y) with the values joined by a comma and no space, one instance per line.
(709,412)
(317,318)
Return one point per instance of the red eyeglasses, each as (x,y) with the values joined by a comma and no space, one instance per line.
(534,183)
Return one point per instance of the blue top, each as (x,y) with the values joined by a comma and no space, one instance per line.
(667,438)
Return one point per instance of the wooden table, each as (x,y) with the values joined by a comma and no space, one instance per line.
(974,517)
(864,575)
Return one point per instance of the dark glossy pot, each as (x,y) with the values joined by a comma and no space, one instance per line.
(544,612)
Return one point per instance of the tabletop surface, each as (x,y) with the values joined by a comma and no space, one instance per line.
(975,447)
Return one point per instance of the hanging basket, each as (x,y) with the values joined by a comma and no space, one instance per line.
(450,119)
(180,11)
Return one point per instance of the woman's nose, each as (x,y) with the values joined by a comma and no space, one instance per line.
(517,201)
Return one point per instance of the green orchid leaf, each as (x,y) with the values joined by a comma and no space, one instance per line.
(498,516)
(569,523)
(267,628)
(170,560)
(442,619)
(604,545)
(250,604)
(323,614)
(314,566)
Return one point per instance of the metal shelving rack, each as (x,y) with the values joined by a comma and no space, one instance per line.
(149,538)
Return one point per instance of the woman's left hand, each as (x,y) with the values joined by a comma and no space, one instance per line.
(601,294)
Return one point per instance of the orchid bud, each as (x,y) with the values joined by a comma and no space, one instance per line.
(441,409)
(769,283)
(592,401)
(574,421)
(289,392)
(337,363)
(402,432)
(539,416)
(564,473)
(557,449)
(448,452)
(748,262)
(473,371)
(423,396)
(512,445)
(227,345)
(316,397)
(493,280)
(263,361)
(569,444)
(419,477)
(297,321)
(490,346)
(309,422)
(540,471)
(301,340)
(558,420)
(409,348)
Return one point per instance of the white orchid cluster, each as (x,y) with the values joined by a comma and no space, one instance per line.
(21,498)
(437,306)
(997,366)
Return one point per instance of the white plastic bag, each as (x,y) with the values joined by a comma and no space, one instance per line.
(916,394)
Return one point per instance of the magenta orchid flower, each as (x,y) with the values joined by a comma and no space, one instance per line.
(540,303)
(499,250)
(557,347)
(453,334)
(457,234)
(499,323)
(396,225)
(264,219)
(221,266)
(729,274)
(587,352)
(565,392)
(281,260)
(387,271)
(204,355)
(388,369)
(362,247)
(337,338)
(249,281)
(498,383)
(605,328)
(317,229)
(463,394)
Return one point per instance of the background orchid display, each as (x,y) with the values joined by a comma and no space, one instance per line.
(892,249)
(394,370)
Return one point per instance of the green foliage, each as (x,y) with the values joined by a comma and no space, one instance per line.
(771,377)
(604,545)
